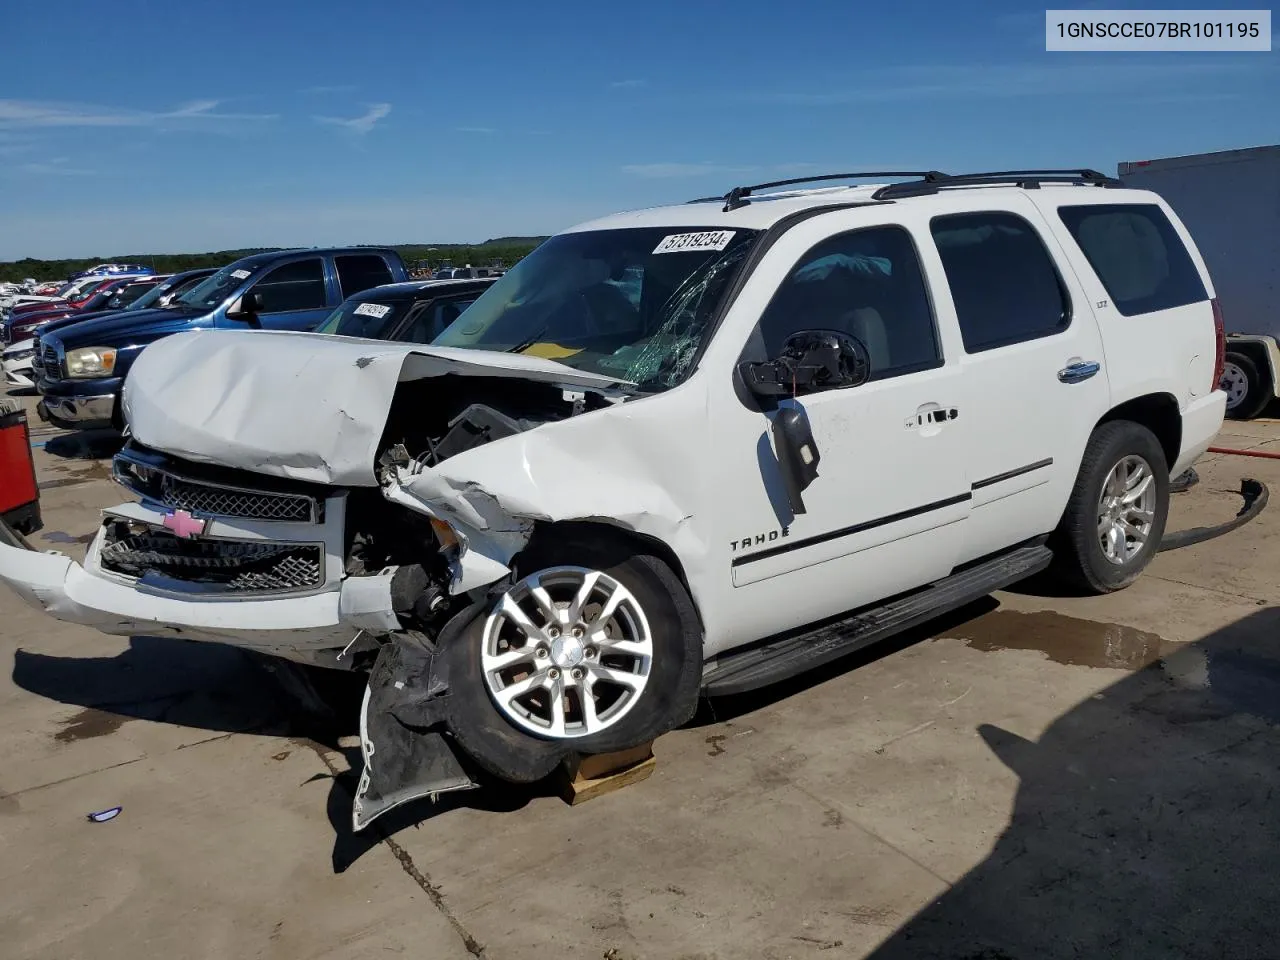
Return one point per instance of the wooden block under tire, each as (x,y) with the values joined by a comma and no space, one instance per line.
(585,778)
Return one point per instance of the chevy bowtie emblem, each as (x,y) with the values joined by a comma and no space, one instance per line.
(184,524)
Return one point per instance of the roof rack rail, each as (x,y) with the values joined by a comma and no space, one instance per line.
(737,197)
(1027,179)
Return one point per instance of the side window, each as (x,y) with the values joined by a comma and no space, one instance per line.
(867,283)
(431,321)
(1003,281)
(1137,255)
(293,286)
(356,273)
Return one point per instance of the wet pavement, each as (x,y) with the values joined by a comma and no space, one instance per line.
(1035,776)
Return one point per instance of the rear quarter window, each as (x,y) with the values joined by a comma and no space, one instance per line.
(1136,253)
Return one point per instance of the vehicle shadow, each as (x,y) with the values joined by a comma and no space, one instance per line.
(18,391)
(205,686)
(214,687)
(1145,825)
(85,445)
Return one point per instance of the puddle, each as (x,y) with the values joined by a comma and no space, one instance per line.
(1069,640)
(89,723)
(57,536)
(1235,681)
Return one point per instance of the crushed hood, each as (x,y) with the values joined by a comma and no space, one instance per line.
(304,406)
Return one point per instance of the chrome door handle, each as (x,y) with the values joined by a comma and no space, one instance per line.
(1079,371)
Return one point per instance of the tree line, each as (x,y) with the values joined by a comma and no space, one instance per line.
(506,250)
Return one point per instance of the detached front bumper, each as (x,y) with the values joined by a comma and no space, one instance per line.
(312,628)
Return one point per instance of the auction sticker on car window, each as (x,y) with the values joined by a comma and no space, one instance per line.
(240,274)
(377,310)
(688,242)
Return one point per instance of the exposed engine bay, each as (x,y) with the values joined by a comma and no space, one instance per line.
(431,421)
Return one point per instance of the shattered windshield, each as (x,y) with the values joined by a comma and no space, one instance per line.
(210,292)
(634,304)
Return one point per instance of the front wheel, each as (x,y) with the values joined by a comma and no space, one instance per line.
(596,647)
(1116,515)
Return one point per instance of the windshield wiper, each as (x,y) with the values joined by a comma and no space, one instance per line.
(529,342)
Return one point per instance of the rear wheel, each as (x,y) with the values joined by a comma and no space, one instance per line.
(1247,392)
(594,648)
(1116,515)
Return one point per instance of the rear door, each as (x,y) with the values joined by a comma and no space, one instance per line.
(294,295)
(1034,376)
(361,271)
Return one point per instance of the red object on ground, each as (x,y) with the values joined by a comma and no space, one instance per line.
(1245,453)
(19,495)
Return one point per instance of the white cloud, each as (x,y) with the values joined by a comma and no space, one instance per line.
(332,88)
(628,84)
(362,124)
(42,113)
(57,166)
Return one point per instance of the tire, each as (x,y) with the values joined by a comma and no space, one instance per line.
(1247,392)
(511,745)
(1080,556)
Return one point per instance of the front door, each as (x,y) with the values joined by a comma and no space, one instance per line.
(887,510)
(1035,384)
(294,296)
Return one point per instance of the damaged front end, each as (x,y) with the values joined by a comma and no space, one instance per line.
(405,742)
(360,520)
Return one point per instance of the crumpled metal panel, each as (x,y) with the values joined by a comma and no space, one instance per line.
(298,405)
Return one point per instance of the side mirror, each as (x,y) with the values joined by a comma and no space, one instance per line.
(247,308)
(810,360)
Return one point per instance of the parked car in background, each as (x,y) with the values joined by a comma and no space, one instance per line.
(414,312)
(65,292)
(466,273)
(84,365)
(114,270)
(21,361)
(25,316)
(21,324)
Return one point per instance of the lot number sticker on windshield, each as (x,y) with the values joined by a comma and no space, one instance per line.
(378,310)
(687,242)
(240,274)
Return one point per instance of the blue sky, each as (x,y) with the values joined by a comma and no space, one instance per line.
(135,127)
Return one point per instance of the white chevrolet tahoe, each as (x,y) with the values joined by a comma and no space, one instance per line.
(693,449)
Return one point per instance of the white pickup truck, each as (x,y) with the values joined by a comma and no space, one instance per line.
(691,449)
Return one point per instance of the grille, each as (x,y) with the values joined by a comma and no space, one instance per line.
(233,566)
(49,362)
(223,502)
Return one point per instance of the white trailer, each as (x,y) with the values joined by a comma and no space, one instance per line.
(1230,201)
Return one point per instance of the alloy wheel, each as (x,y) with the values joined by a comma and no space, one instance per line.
(1126,509)
(566,652)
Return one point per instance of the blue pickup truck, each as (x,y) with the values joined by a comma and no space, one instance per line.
(83,365)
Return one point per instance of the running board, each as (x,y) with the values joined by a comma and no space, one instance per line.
(759,666)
